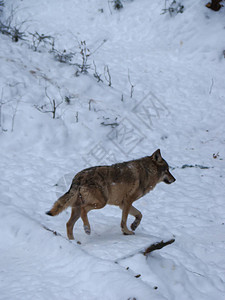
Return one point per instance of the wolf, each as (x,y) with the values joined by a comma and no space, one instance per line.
(119,184)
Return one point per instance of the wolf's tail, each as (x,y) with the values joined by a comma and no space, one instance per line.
(62,203)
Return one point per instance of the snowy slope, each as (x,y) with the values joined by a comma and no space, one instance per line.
(176,65)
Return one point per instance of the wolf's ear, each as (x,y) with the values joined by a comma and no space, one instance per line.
(157,155)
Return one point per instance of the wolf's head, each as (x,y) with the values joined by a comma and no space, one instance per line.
(163,168)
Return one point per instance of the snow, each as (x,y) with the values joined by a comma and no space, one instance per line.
(176,65)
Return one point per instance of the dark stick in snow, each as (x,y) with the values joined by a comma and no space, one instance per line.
(146,251)
(157,246)
(58,234)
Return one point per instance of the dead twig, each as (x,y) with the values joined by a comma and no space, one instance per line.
(96,74)
(14,110)
(157,246)
(131,85)
(210,90)
(52,104)
(53,231)
(108,77)
(38,39)
(146,251)
(58,234)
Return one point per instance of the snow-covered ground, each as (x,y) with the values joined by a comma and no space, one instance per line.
(173,67)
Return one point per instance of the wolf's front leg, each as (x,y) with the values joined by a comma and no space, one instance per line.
(138,216)
(125,210)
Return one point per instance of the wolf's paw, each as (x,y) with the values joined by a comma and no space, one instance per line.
(87,230)
(134,225)
(128,232)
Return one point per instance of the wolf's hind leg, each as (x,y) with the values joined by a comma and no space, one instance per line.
(75,215)
(138,216)
(94,200)
(84,217)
